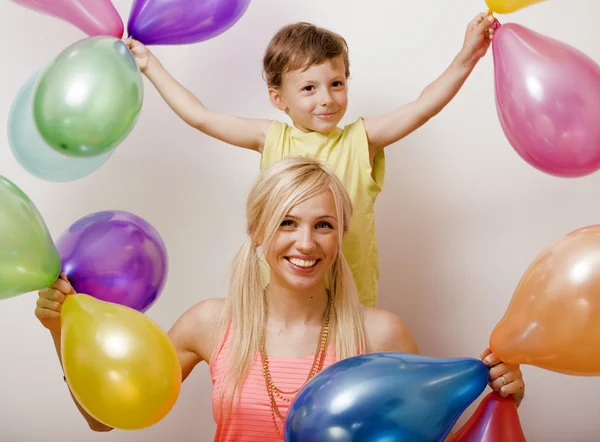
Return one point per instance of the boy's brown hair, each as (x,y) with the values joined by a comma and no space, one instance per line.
(301,45)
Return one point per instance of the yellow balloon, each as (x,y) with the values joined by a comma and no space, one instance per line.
(507,6)
(121,366)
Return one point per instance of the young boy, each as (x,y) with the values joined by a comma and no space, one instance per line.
(306,69)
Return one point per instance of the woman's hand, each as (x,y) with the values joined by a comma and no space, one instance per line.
(50,301)
(506,379)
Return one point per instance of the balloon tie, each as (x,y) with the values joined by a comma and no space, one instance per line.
(496,23)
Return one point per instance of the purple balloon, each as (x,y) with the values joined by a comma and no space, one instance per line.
(115,256)
(548,101)
(172,22)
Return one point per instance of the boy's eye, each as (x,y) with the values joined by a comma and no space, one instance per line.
(337,84)
(308,88)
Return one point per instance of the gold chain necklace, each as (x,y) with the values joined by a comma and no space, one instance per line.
(317,366)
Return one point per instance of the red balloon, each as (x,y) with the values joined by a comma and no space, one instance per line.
(495,420)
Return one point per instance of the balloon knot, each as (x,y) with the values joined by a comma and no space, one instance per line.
(496,24)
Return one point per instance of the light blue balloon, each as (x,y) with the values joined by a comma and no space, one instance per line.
(33,153)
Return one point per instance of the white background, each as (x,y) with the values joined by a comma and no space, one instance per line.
(460,218)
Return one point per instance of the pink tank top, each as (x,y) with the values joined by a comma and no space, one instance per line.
(251,420)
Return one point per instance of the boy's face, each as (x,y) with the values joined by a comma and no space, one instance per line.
(316,98)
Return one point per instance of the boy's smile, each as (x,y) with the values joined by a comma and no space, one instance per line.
(315,98)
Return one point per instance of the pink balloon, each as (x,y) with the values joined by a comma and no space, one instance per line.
(548,101)
(94,17)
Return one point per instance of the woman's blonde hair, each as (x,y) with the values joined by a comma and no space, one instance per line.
(277,190)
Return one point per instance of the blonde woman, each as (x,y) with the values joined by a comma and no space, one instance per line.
(262,345)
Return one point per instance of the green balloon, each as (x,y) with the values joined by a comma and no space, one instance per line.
(89,98)
(28,257)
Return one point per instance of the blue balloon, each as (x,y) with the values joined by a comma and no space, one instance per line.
(33,153)
(385,397)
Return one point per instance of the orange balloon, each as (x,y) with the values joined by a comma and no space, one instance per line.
(553,320)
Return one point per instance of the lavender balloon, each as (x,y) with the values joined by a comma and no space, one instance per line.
(115,256)
(172,22)
(548,101)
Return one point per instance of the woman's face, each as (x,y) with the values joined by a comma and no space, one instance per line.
(305,244)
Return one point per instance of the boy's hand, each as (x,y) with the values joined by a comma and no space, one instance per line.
(478,37)
(141,53)
(506,379)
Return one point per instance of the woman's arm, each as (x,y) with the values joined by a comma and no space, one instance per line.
(193,334)
(387,332)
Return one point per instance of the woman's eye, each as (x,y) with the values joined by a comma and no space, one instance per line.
(324,225)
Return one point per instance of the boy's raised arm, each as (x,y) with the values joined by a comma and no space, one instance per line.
(248,133)
(387,129)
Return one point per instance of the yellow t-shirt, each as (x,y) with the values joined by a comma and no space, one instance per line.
(346,152)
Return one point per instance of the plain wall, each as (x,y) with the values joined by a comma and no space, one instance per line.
(460,218)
